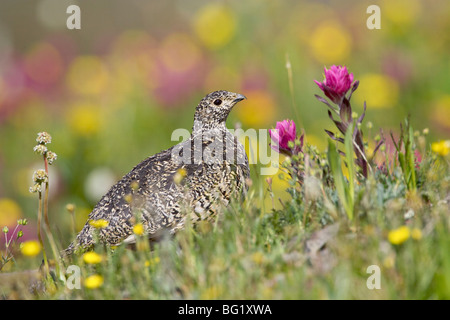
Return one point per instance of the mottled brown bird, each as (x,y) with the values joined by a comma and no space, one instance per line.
(191,180)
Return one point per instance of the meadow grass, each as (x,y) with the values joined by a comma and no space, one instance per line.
(354,225)
(308,249)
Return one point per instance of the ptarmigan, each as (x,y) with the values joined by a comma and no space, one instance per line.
(191,180)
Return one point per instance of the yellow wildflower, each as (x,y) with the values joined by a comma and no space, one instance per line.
(138,229)
(92,258)
(416,234)
(93,282)
(179,175)
(152,262)
(30,248)
(99,224)
(441,148)
(399,235)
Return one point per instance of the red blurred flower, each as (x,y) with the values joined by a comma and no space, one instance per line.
(336,83)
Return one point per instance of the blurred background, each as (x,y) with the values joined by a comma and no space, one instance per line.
(111,93)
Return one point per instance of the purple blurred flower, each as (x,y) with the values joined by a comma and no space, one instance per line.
(284,132)
(336,83)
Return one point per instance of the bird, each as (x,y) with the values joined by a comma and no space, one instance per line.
(193,180)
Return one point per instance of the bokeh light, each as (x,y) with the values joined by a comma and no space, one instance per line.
(87,75)
(377,90)
(84,119)
(215,25)
(258,110)
(330,43)
(10,212)
(43,64)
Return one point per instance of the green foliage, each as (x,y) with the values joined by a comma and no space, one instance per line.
(405,153)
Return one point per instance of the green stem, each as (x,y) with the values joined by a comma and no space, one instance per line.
(39,221)
(47,223)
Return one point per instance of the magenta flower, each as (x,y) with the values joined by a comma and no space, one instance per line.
(417,158)
(336,84)
(284,132)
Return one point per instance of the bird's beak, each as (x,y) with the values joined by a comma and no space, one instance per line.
(239,97)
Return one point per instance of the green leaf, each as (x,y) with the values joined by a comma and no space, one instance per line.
(339,182)
(351,170)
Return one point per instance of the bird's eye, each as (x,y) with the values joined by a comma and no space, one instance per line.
(217,102)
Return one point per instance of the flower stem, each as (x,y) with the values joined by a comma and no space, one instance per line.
(291,88)
(39,234)
(47,223)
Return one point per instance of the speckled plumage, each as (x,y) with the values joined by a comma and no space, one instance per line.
(191,180)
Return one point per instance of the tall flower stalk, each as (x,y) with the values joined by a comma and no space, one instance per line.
(339,86)
(41,177)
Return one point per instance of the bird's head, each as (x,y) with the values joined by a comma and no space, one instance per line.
(213,110)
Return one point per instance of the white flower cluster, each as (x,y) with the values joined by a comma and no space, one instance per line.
(40,176)
(44,138)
